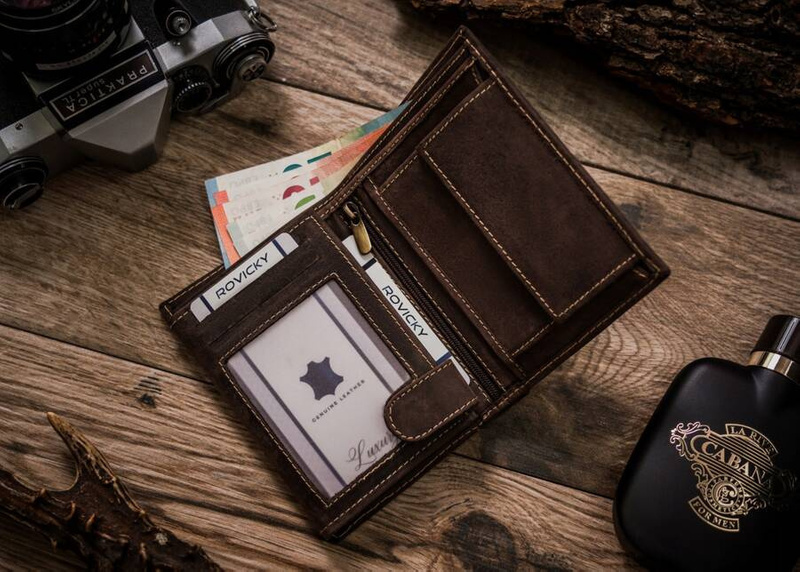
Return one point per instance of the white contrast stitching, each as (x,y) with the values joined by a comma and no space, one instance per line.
(222,364)
(195,284)
(532,339)
(598,325)
(382,303)
(511,260)
(268,321)
(377,486)
(552,146)
(476,76)
(459,439)
(388,183)
(523,386)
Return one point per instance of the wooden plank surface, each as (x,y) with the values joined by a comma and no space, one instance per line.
(134,240)
(371,51)
(195,469)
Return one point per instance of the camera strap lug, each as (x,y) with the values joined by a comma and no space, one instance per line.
(261,19)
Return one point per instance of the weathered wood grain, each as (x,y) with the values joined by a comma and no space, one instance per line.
(89,264)
(198,472)
(733,64)
(371,51)
(23,549)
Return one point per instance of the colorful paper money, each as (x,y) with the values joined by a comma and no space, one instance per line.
(254,202)
(247,231)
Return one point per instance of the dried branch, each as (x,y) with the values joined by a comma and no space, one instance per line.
(96,517)
(731,62)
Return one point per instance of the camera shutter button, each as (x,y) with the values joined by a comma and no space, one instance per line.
(193,88)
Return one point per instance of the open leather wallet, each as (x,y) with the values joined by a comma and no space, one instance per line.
(491,236)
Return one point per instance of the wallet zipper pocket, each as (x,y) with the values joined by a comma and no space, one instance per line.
(368,240)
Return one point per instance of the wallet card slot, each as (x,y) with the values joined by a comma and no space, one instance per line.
(408,293)
(263,305)
(543,218)
(282,277)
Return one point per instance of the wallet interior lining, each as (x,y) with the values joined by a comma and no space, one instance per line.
(498,377)
(417,135)
(474,275)
(446,98)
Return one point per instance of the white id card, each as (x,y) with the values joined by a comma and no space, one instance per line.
(321,376)
(233,282)
(402,306)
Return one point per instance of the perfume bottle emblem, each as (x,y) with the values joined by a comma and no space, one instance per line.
(735,472)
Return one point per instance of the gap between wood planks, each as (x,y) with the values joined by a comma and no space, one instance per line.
(592,164)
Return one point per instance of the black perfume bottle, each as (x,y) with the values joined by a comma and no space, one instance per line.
(713,481)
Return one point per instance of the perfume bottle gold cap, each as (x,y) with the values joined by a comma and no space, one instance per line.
(778,348)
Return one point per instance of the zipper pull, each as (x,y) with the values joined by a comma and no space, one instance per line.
(357,227)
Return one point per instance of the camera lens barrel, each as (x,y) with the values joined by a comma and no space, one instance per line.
(55,38)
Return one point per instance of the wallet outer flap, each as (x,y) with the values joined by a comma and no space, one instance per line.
(448,413)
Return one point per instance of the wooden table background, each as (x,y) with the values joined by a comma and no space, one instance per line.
(83,270)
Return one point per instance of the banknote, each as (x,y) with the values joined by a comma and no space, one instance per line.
(298,160)
(248,230)
(276,191)
(281,198)
(282,186)
(253,223)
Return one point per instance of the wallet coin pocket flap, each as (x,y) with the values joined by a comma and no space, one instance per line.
(450,244)
(540,214)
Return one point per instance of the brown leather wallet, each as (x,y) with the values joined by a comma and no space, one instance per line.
(498,236)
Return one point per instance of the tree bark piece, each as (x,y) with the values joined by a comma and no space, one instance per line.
(736,63)
(96,517)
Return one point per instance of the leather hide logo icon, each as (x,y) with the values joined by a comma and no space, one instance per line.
(735,472)
(322,379)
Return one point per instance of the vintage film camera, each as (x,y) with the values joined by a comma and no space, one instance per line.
(99,79)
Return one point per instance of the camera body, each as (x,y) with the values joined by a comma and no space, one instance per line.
(181,56)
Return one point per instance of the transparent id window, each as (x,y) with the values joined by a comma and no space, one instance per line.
(320,376)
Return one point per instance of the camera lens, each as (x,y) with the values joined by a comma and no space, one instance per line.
(55,38)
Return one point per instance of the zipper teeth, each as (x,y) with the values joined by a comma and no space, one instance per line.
(458,347)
